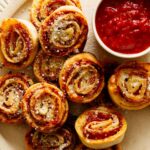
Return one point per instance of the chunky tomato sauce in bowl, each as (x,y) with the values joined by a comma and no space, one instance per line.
(122,27)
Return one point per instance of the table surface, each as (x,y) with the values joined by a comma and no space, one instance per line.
(138,133)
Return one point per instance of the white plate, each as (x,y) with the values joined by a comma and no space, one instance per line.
(138,133)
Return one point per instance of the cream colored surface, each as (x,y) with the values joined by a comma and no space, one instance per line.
(9,7)
(138,133)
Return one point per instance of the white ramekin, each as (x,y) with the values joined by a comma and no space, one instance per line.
(105,47)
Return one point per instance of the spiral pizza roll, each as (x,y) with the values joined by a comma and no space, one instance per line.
(83,147)
(101,127)
(82,78)
(47,68)
(60,140)
(19,43)
(45,107)
(129,86)
(63,32)
(41,9)
(12,89)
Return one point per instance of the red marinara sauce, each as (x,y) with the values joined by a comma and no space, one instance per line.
(124,25)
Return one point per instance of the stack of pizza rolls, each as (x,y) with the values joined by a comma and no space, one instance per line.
(62,29)
(41,9)
(52,43)
(61,24)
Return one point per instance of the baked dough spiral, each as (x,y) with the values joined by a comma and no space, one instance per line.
(100,127)
(83,147)
(63,32)
(18,43)
(41,9)
(45,107)
(47,68)
(82,78)
(129,86)
(12,89)
(60,140)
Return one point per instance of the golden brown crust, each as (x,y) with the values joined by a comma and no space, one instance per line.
(12,89)
(45,107)
(41,9)
(63,32)
(62,139)
(82,147)
(129,86)
(46,68)
(82,78)
(19,43)
(100,128)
